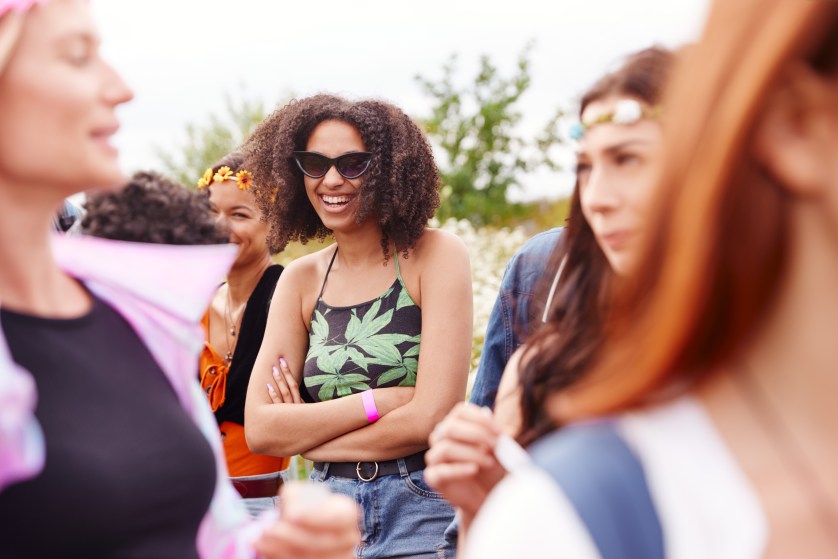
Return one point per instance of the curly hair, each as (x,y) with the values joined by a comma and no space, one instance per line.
(152,209)
(400,189)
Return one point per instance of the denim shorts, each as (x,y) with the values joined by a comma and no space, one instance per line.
(400,515)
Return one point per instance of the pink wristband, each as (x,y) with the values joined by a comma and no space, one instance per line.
(369,406)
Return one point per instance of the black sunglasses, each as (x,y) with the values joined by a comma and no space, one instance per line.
(349,165)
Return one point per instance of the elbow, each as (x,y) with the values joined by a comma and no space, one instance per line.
(261,439)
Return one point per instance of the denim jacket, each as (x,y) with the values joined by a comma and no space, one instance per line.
(511,316)
(162,291)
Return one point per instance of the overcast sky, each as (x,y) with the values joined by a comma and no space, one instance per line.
(182,56)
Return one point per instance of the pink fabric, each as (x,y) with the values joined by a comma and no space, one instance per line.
(17,5)
(162,291)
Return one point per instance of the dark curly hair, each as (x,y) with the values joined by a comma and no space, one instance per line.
(401,187)
(152,209)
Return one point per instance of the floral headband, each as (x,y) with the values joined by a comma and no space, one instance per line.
(626,111)
(243,178)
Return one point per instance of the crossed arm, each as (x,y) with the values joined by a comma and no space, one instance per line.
(338,430)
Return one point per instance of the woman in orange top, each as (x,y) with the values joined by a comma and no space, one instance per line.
(235,324)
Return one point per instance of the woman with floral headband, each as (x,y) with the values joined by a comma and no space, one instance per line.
(235,323)
(107,445)
(618,142)
(708,427)
(348,321)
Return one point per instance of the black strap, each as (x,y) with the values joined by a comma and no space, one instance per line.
(605,482)
(329,269)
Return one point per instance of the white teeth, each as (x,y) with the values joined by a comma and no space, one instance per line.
(336,199)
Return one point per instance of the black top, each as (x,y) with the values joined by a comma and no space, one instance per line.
(252,331)
(127,472)
(370,345)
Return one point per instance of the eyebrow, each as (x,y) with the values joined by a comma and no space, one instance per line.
(87,37)
(240,207)
(617,147)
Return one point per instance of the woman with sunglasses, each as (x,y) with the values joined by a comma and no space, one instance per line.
(235,323)
(347,322)
(713,402)
(618,143)
(107,444)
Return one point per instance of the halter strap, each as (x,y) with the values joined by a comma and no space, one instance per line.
(329,269)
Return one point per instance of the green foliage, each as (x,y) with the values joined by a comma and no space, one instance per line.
(485,155)
(210,140)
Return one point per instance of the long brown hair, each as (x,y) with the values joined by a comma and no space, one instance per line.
(564,347)
(719,247)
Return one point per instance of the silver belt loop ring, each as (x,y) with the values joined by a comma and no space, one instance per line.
(361,477)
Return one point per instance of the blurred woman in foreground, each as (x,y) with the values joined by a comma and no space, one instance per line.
(719,382)
(121,456)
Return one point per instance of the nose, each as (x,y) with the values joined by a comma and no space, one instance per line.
(599,193)
(332,179)
(222,223)
(116,91)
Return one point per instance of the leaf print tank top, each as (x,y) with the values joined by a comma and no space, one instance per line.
(370,345)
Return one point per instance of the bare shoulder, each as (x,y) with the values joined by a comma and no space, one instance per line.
(437,244)
(307,271)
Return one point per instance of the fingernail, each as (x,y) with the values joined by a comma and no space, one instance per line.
(270,388)
(487,411)
(276,371)
(282,360)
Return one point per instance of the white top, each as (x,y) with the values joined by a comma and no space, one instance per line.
(707,507)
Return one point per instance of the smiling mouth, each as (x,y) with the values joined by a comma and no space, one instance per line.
(336,201)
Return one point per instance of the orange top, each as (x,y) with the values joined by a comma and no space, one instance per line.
(240,461)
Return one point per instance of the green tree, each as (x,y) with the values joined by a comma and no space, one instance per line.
(208,141)
(476,127)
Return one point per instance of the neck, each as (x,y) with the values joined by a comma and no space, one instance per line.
(31,281)
(243,278)
(360,247)
(795,359)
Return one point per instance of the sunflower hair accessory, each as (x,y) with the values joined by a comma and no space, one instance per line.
(243,178)
(626,111)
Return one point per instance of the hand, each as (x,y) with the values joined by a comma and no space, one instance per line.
(284,390)
(461,462)
(314,524)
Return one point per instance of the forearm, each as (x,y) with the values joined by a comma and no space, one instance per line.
(400,433)
(289,429)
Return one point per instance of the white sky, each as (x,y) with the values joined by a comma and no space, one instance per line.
(182,56)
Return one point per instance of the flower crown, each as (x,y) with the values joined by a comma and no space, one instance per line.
(243,178)
(626,111)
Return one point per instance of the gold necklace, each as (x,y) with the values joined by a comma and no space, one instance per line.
(230,327)
(786,446)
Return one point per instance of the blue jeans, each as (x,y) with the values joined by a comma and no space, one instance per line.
(257,505)
(400,515)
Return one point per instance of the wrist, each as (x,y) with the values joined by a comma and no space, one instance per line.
(369,406)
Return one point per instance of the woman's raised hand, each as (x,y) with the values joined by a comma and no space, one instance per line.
(461,462)
(313,524)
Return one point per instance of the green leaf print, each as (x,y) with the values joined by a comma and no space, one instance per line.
(342,384)
(371,324)
(404,299)
(353,327)
(332,362)
(406,370)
